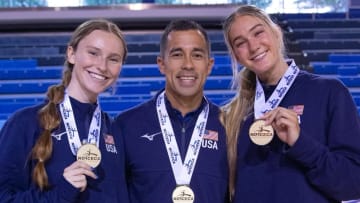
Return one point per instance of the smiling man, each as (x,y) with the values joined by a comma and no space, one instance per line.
(175,144)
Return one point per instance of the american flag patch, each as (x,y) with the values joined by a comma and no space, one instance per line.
(211,135)
(299,109)
(109,139)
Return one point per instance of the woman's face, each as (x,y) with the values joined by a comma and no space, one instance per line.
(97,63)
(255,45)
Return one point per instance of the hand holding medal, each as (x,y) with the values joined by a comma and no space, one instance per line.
(76,174)
(285,123)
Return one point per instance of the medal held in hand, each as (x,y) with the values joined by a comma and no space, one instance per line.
(183,194)
(90,154)
(260,133)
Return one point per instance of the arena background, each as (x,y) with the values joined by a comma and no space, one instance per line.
(323,37)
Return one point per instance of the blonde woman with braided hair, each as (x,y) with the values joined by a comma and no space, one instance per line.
(63,150)
(292,136)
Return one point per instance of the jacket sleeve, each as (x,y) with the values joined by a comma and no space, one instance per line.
(333,166)
(17,138)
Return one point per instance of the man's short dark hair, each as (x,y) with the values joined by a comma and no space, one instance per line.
(181,25)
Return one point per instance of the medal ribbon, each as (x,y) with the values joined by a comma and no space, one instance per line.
(260,107)
(71,129)
(182,170)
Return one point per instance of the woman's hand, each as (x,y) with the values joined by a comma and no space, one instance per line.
(76,174)
(285,123)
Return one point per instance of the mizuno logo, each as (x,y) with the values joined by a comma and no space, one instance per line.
(150,137)
(58,136)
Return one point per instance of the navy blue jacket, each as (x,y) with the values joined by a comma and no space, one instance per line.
(150,177)
(17,139)
(324,163)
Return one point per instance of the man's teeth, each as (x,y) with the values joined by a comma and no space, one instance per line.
(187,78)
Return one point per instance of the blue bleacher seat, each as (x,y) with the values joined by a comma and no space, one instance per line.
(15,99)
(53,60)
(345,58)
(357,100)
(218,46)
(28,51)
(291,16)
(218,82)
(53,39)
(350,81)
(323,54)
(30,74)
(25,87)
(315,44)
(222,59)
(331,15)
(323,23)
(143,47)
(119,106)
(151,70)
(337,35)
(215,36)
(142,58)
(324,67)
(348,70)
(18,63)
(354,13)
(135,89)
(221,69)
(11,107)
(142,37)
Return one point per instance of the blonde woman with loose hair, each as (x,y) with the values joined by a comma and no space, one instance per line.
(292,136)
(40,144)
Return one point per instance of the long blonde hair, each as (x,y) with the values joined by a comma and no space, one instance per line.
(244,81)
(49,117)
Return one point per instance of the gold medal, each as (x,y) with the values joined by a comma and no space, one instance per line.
(183,194)
(90,154)
(260,133)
